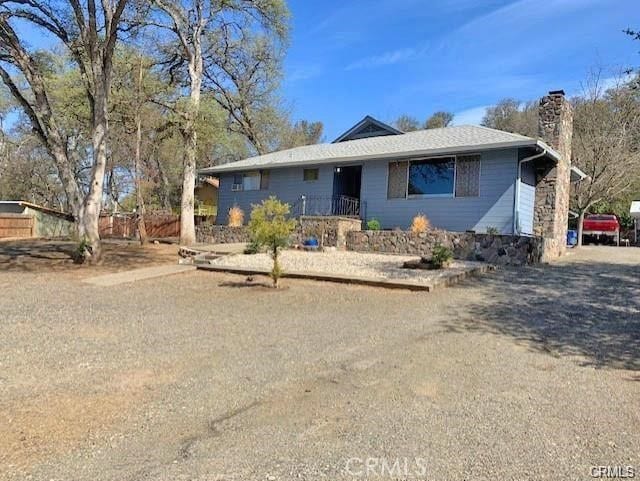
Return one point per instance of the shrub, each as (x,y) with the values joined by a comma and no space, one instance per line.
(441,256)
(236,217)
(491,230)
(373,224)
(252,248)
(82,251)
(270,227)
(420,224)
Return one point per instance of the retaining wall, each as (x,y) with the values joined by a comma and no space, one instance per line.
(330,231)
(496,249)
(344,233)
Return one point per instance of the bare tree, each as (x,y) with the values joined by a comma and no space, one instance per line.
(514,116)
(439,120)
(212,38)
(37,106)
(300,133)
(406,123)
(90,33)
(606,143)
(243,75)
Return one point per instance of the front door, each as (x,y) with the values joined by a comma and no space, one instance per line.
(346,190)
(347,181)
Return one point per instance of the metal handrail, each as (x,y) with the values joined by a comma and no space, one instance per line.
(337,205)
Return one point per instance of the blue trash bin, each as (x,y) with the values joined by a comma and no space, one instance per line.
(572,238)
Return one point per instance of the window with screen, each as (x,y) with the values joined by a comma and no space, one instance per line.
(468,176)
(397,180)
(251,181)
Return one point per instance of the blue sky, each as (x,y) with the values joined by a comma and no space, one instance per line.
(351,58)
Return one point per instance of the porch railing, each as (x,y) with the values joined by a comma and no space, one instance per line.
(338,205)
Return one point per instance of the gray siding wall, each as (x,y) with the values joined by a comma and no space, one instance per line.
(493,208)
(286,184)
(527,198)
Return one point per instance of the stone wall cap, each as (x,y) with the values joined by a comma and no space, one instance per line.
(329,217)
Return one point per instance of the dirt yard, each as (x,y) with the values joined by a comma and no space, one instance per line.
(56,256)
(529,373)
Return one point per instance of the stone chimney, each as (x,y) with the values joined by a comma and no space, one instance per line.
(555,128)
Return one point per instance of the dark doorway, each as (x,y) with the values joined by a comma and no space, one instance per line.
(347,181)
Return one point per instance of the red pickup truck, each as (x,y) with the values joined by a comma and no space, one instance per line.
(601,228)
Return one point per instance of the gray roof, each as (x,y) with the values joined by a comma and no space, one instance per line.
(448,140)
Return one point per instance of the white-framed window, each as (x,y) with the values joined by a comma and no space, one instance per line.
(251,181)
(310,175)
(258,180)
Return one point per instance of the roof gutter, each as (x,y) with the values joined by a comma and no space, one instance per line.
(516,203)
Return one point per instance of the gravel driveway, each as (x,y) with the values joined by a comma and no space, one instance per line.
(528,373)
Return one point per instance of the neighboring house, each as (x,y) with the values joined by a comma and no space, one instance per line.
(24,219)
(462,178)
(206,196)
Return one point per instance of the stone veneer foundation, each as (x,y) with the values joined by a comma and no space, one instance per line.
(331,231)
(496,249)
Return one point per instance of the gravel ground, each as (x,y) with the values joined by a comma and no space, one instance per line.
(378,266)
(529,373)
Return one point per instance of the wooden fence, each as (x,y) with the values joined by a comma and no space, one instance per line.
(123,226)
(16,225)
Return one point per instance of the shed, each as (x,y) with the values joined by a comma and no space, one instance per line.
(24,219)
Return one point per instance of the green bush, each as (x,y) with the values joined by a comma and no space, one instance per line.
(373,224)
(252,248)
(79,254)
(270,227)
(493,230)
(441,256)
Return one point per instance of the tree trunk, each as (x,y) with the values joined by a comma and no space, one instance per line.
(71,189)
(93,201)
(275,272)
(142,228)
(580,227)
(165,186)
(187,222)
(190,136)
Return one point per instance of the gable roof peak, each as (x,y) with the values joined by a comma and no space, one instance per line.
(368,127)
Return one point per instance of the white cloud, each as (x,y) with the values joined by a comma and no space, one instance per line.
(472,116)
(304,72)
(388,58)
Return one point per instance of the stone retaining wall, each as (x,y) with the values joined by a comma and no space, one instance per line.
(330,231)
(343,233)
(496,249)
(221,234)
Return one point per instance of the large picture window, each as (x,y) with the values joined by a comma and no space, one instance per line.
(435,177)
